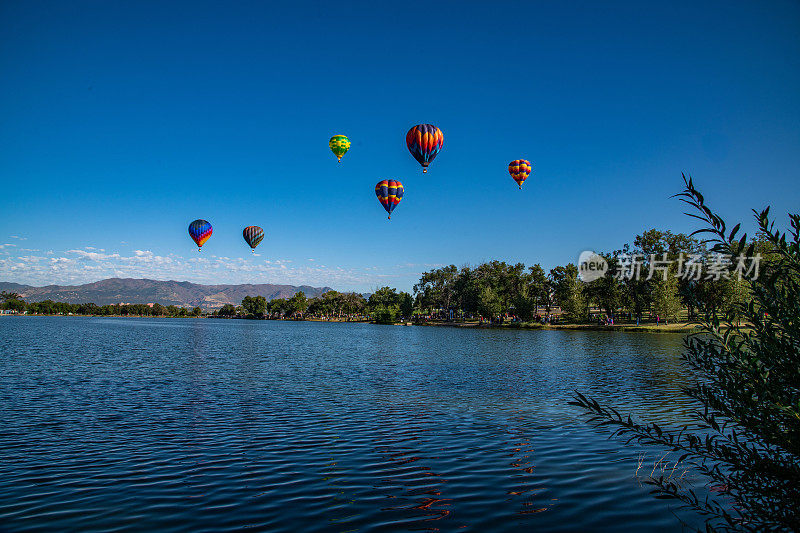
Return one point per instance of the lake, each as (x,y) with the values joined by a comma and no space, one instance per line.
(200,424)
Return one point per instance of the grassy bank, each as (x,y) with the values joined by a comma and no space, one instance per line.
(678,327)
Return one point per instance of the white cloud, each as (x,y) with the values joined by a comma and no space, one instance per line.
(93,256)
(91,264)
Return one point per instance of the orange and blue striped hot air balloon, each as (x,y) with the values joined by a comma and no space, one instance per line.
(424,141)
(200,231)
(253,235)
(519,169)
(389,193)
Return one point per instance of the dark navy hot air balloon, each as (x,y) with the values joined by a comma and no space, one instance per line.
(200,231)
(389,193)
(252,236)
(424,141)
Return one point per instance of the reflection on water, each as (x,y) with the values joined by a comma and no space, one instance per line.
(186,424)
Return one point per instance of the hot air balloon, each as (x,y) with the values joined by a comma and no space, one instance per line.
(200,230)
(519,169)
(339,145)
(252,236)
(424,141)
(389,193)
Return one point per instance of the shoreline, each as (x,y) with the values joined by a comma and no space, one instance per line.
(679,327)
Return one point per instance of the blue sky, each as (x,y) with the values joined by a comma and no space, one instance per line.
(121,122)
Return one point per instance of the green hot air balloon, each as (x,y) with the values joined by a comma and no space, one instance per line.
(339,145)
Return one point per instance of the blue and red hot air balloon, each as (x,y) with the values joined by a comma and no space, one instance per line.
(200,231)
(253,235)
(424,141)
(389,193)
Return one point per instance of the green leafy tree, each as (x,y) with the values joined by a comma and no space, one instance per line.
(437,287)
(540,287)
(87,309)
(6,296)
(384,305)
(13,304)
(745,441)
(666,300)
(665,295)
(606,291)
(503,279)
(708,296)
(314,307)
(525,289)
(353,304)
(386,314)
(637,289)
(465,289)
(406,304)
(254,306)
(333,303)
(568,291)
(385,296)
(279,307)
(737,296)
(227,310)
(298,303)
(489,303)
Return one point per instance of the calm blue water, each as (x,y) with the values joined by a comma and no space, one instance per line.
(207,425)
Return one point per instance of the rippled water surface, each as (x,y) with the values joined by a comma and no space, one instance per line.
(199,424)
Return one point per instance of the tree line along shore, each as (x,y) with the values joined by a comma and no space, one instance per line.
(496,294)
(500,294)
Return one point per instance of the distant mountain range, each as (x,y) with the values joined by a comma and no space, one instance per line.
(142,291)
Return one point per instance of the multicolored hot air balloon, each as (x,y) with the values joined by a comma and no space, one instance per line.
(389,193)
(252,236)
(200,230)
(339,145)
(424,141)
(519,169)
